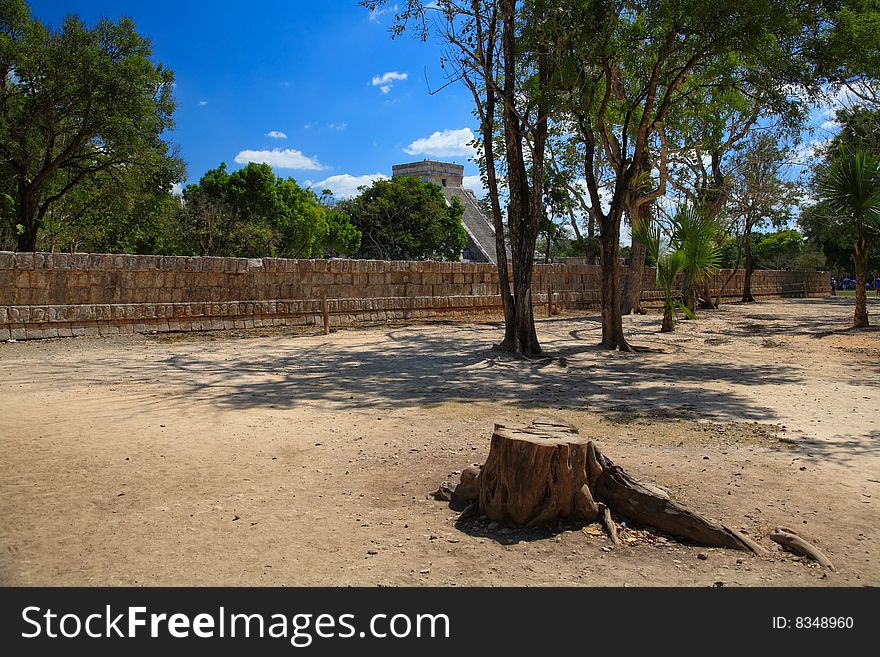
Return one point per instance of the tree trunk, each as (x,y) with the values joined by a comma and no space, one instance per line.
(860,260)
(524,206)
(750,267)
(26,216)
(612,319)
(632,290)
(632,287)
(668,324)
(705,301)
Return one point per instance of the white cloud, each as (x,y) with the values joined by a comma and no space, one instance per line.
(342,125)
(276,134)
(375,13)
(288,158)
(390,76)
(345,185)
(475,184)
(202,103)
(387,80)
(444,144)
(807,152)
(177,189)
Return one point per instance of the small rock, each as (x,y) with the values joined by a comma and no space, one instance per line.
(372,552)
(702,556)
(425,571)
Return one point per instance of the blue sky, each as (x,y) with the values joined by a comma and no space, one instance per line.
(316,88)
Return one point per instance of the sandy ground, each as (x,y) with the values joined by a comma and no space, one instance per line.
(274,458)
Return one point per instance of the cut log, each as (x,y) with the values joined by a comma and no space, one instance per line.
(798,545)
(649,506)
(536,475)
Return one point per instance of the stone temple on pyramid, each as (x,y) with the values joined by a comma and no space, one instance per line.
(480,231)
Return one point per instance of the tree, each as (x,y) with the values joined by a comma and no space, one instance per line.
(860,130)
(253,213)
(626,68)
(500,50)
(670,263)
(691,250)
(849,54)
(785,249)
(76,103)
(406,219)
(849,188)
(759,194)
(693,235)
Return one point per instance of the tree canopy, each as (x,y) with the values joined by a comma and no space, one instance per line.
(406,219)
(77,104)
(252,212)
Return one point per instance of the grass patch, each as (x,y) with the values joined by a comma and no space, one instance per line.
(852,293)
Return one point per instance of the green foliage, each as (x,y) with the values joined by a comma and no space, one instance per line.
(849,191)
(840,179)
(407,219)
(691,250)
(786,249)
(670,263)
(848,54)
(253,213)
(79,106)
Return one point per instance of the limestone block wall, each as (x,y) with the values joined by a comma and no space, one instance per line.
(59,294)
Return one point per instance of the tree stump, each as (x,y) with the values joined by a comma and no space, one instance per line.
(545,473)
(536,475)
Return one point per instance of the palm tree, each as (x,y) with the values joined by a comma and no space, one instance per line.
(692,250)
(850,189)
(694,236)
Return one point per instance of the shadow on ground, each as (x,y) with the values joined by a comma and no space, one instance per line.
(414,366)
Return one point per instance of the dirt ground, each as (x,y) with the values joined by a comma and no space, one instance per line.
(291,458)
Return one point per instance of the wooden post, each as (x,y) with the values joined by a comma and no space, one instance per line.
(549,302)
(325,313)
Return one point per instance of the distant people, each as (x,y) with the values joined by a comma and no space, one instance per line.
(833,286)
(877,287)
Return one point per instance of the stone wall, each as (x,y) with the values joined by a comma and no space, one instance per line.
(58,294)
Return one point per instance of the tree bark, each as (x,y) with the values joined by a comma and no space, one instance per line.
(612,318)
(668,324)
(535,476)
(632,287)
(750,268)
(860,259)
(632,290)
(794,543)
(26,214)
